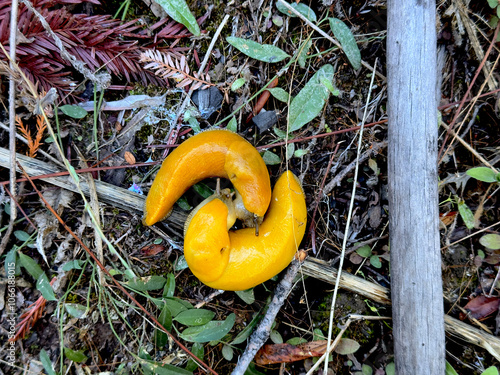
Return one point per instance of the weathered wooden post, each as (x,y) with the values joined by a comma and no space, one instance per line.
(416,284)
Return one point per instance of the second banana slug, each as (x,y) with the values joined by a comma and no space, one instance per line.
(213,153)
(239,260)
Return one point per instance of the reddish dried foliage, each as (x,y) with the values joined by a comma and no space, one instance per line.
(99,41)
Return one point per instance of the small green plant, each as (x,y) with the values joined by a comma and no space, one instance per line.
(489,371)
(484,174)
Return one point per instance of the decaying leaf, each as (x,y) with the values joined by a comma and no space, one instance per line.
(280,353)
(481,307)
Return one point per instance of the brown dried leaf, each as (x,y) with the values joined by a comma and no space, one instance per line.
(152,250)
(481,307)
(279,353)
(129,157)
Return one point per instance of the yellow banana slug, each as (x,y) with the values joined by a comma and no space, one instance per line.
(213,153)
(242,260)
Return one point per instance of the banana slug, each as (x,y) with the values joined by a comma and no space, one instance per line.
(213,153)
(238,260)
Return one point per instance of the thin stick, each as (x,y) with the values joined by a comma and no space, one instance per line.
(348,223)
(261,334)
(203,63)
(478,70)
(12,124)
(316,28)
(468,147)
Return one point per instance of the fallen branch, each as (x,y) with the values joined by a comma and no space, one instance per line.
(318,269)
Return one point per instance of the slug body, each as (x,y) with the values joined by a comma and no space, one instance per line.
(246,260)
(213,153)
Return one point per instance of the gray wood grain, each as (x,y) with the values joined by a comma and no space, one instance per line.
(416,284)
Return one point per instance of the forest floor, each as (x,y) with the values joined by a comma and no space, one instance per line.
(73,318)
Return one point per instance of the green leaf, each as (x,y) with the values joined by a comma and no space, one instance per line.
(46,362)
(238,84)
(214,330)
(270,158)
(198,350)
(366,370)
(227,352)
(449,369)
(30,265)
(296,341)
(73,111)
(251,370)
(21,235)
(275,337)
(279,133)
(493,3)
(483,174)
(203,189)
(247,296)
(290,149)
(466,214)
(43,285)
(375,261)
(180,264)
(300,153)
(74,264)
(390,369)
(364,251)
(299,7)
(490,241)
(328,84)
(232,125)
(10,263)
(318,334)
(179,11)
(347,41)
(162,368)
(347,346)
(490,371)
(182,202)
(195,317)
(169,289)
(144,284)
(165,319)
(261,52)
(176,306)
(75,355)
(303,51)
(279,94)
(247,331)
(76,310)
(310,101)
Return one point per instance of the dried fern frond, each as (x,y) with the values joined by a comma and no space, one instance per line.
(30,317)
(166,65)
(33,144)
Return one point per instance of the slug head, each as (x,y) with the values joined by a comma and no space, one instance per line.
(248,173)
